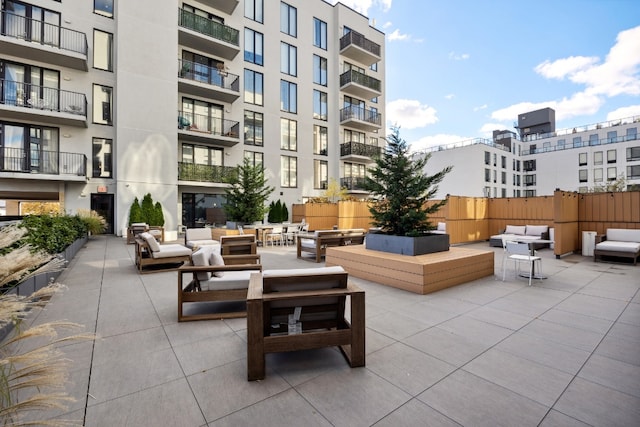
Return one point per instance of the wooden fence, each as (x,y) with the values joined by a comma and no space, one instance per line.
(472,219)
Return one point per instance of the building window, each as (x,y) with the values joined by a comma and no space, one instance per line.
(487,158)
(319,33)
(582,159)
(529,193)
(319,105)
(597,158)
(288,96)
(203,116)
(632,134)
(102,50)
(487,175)
(374,100)
(593,139)
(633,172)
(288,134)
(253,128)
(633,153)
(102,153)
(102,102)
(253,46)
(353,136)
(30,148)
(504,162)
(494,175)
(288,19)
(597,175)
(612,136)
(28,85)
(103,7)
(320,140)
(612,174)
(288,59)
(560,144)
(577,141)
(582,175)
(288,171)
(254,10)
(319,70)
(495,159)
(320,174)
(255,158)
(201,155)
(504,177)
(611,156)
(529,165)
(374,66)
(504,193)
(253,87)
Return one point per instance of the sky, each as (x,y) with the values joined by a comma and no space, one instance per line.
(459,69)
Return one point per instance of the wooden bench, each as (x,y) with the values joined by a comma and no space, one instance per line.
(318,295)
(148,254)
(317,243)
(241,244)
(206,287)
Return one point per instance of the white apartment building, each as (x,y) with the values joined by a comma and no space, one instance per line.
(540,159)
(103,101)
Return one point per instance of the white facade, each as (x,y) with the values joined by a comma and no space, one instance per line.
(177,93)
(582,159)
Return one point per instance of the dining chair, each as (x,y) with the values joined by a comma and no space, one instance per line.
(519,252)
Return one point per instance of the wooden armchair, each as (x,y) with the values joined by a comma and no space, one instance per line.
(318,295)
(241,244)
(225,280)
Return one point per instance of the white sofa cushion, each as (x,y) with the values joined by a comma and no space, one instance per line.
(216,259)
(199,243)
(154,246)
(536,230)
(198,234)
(302,271)
(515,229)
(231,280)
(200,258)
(618,246)
(623,235)
(171,250)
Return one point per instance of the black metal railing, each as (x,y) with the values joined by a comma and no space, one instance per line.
(352,183)
(359,149)
(204,173)
(361,41)
(359,113)
(35,31)
(353,76)
(207,124)
(42,161)
(208,27)
(25,95)
(204,74)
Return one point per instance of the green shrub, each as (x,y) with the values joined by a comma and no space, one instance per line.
(158,217)
(135,213)
(53,233)
(147,209)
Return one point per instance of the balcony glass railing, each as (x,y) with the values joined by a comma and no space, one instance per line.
(35,31)
(42,161)
(357,39)
(362,114)
(204,74)
(208,27)
(207,124)
(359,149)
(18,94)
(352,183)
(353,76)
(204,173)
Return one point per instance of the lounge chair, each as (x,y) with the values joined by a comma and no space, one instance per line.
(149,252)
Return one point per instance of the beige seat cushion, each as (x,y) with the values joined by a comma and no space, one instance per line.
(171,250)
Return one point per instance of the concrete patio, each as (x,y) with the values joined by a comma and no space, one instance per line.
(563,352)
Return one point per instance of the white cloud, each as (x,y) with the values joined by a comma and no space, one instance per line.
(435,141)
(482,107)
(624,112)
(387,25)
(619,74)
(450,96)
(396,35)
(410,114)
(458,56)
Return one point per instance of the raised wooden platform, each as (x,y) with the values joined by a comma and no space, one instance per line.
(420,274)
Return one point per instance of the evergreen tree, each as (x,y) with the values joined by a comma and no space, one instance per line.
(158,217)
(247,193)
(135,213)
(272,212)
(401,188)
(147,209)
(278,211)
(285,212)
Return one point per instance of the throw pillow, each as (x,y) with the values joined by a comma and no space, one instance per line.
(217,260)
(200,258)
(151,241)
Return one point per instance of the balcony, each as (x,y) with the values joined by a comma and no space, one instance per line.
(353,183)
(359,152)
(194,172)
(206,129)
(21,101)
(360,118)
(357,47)
(35,163)
(206,35)
(208,82)
(360,85)
(39,41)
(226,6)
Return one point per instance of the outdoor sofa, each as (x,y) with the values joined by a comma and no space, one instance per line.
(618,242)
(151,253)
(522,233)
(196,237)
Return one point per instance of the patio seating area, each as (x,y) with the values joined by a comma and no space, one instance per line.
(563,351)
